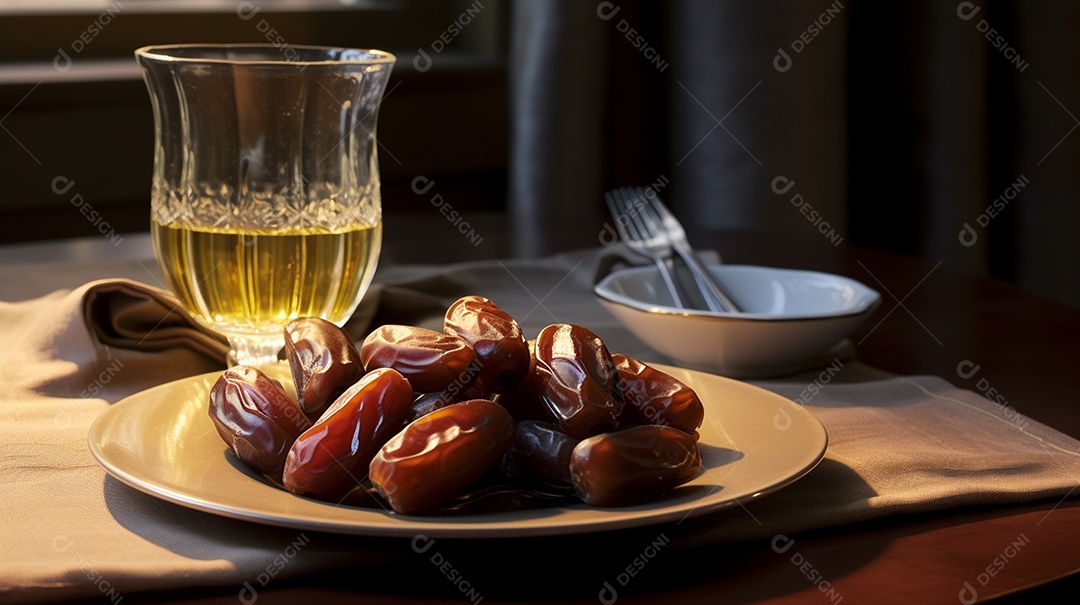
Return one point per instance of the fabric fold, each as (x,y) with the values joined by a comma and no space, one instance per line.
(130,315)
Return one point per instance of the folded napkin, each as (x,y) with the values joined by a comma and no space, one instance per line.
(897,444)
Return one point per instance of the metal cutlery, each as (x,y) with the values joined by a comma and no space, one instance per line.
(641,238)
(656,230)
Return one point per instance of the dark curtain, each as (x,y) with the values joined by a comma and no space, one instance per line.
(943,129)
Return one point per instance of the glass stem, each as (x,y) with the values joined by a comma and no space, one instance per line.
(255,352)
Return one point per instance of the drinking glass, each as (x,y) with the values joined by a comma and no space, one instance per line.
(265,202)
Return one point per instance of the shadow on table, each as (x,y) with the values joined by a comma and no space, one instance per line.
(729,551)
(203,536)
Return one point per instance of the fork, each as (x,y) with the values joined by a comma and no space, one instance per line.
(663,223)
(633,231)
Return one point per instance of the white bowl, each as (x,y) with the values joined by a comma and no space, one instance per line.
(789,317)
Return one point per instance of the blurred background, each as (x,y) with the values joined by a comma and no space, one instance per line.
(938,129)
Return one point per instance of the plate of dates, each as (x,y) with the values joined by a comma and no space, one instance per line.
(469,432)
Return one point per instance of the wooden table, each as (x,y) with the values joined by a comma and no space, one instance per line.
(1013,347)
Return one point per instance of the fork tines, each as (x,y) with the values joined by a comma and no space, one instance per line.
(642,235)
(625,207)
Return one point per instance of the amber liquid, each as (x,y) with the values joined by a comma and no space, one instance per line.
(252,283)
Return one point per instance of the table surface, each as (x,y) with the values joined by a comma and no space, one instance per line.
(1013,347)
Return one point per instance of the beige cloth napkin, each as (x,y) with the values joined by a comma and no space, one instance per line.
(897,444)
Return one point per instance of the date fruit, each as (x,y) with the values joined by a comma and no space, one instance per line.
(540,452)
(432,361)
(524,401)
(426,403)
(425,415)
(577,378)
(632,465)
(255,417)
(438,456)
(654,397)
(323,360)
(331,458)
(500,346)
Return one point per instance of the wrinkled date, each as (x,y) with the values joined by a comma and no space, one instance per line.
(432,361)
(496,337)
(577,379)
(654,397)
(323,360)
(328,460)
(632,465)
(435,411)
(255,417)
(540,452)
(436,457)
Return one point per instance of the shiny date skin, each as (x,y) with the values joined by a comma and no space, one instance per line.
(331,458)
(432,361)
(500,346)
(633,465)
(653,397)
(577,378)
(425,403)
(441,454)
(541,452)
(323,360)
(255,417)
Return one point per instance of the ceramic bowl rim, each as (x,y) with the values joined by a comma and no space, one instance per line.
(603,290)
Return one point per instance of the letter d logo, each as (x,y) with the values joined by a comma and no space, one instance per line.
(967,236)
(968,594)
(966,10)
(607,10)
(608,594)
(422,61)
(65,63)
(782,184)
(248,594)
(782,61)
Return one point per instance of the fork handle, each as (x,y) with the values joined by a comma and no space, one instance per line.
(669,281)
(715,295)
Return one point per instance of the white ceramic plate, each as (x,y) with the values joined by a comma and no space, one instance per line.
(161,441)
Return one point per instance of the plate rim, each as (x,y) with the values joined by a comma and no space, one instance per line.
(453,527)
